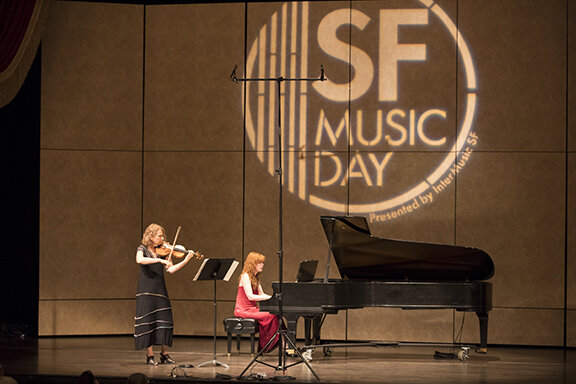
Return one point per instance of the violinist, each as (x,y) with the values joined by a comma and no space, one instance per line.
(153,320)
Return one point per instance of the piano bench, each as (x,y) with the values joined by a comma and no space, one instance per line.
(239,326)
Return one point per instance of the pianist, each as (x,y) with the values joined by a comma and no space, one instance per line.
(249,293)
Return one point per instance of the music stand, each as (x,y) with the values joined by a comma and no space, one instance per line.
(216,269)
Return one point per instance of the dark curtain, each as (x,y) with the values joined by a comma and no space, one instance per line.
(15,18)
(21,23)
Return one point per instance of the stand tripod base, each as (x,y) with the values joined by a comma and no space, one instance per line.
(215,363)
(284,341)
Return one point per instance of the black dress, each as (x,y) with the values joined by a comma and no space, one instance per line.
(153,321)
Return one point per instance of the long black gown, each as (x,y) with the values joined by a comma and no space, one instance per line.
(153,320)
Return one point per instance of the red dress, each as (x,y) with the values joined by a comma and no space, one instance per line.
(267,322)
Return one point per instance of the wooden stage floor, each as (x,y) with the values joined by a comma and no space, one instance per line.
(113,359)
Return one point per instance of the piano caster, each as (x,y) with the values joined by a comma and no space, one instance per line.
(327,351)
(463,354)
(307,354)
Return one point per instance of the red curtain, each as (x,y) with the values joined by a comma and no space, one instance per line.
(21,24)
(15,18)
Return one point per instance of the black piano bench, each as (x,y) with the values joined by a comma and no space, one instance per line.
(239,326)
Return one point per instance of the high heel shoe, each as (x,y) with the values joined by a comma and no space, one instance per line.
(166,359)
(150,360)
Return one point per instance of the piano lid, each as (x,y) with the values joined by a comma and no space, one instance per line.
(361,256)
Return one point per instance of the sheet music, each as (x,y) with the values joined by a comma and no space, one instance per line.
(231,270)
(200,269)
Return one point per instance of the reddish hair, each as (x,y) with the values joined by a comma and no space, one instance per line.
(253,259)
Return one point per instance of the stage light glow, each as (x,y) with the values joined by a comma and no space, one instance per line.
(328,146)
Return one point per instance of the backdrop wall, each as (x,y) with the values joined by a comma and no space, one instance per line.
(447,122)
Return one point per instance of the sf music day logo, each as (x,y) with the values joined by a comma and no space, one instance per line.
(376,138)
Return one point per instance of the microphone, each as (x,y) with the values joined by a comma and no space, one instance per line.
(322,78)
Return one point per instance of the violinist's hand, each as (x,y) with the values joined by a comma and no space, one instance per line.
(194,254)
(167,263)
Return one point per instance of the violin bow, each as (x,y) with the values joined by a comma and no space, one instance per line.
(174,244)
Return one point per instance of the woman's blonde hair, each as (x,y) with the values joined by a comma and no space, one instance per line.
(150,232)
(252,260)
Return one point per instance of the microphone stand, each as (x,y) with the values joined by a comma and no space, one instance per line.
(281,333)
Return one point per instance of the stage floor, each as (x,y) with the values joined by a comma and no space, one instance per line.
(113,359)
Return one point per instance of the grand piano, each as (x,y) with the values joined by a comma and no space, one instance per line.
(379,272)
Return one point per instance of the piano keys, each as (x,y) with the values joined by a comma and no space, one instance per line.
(379,272)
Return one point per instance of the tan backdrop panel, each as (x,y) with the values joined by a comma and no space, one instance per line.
(191,103)
(400,325)
(526,326)
(302,234)
(202,193)
(90,205)
(426,217)
(520,224)
(414,74)
(520,52)
(197,317)
(92,76)
(85,317)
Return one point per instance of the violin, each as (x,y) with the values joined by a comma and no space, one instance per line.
(167,249)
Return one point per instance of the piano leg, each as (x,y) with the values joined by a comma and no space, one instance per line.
(291,325)
(317,327)
(483,319)
(312,326)
(307,330)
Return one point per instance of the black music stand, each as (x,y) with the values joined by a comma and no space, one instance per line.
(216,269)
